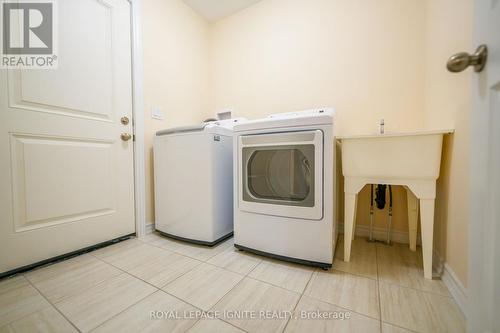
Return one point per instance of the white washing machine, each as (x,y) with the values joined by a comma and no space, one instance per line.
(194,182)
(284,203)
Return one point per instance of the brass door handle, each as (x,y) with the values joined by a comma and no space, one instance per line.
(126,136)
(460,61)
(124,120)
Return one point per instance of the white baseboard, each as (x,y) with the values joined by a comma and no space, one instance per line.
(456,288)
(451,281)
(381,234)
(150,227)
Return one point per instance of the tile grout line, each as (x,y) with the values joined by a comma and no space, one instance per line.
(128,307)
(213,306)
(292,291)
(101,282)
(381,282)
(184,301)
(340,306)
(228,270)
(244,277)
(80,291)
(298,301)
(344,308)
(382,322)
(397,284)
(416,289)
(223,268)
(201,262)
(354,274)
(157,290)
(271,284)
(336,305)
(51,304)
(206,261)
(378,291)
(254,278)
(161,290)
(399,326)
(280,287)
(173,251)
(189,329)
(29,284)
(254,268)
(136,277)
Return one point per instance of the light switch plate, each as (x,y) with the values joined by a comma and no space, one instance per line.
(157,113)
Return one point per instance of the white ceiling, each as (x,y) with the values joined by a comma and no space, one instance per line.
(214,10)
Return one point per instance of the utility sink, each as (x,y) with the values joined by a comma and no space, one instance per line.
(409,159)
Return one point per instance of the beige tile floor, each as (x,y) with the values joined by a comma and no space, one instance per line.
(119,288)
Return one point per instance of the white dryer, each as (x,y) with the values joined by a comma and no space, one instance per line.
(194,182)
(284,203)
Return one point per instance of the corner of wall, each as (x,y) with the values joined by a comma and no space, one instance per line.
(447,105)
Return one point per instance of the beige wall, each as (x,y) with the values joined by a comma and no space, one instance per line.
(176,46)
(362,57)
(448,105)
(368,59)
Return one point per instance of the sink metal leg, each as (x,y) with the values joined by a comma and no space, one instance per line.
(370,237)
(389,226)
(412,218)
(427,225)
(350,205)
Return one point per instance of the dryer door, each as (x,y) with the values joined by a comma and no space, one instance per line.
(282,174)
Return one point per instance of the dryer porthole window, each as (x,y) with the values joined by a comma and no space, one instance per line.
(280,175)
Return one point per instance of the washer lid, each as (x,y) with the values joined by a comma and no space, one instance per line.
(222,127)
(182,129)
(323,116)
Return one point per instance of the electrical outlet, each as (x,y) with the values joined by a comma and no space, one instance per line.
(157,113)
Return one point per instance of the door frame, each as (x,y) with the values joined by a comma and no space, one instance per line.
(138,119)
(484,246)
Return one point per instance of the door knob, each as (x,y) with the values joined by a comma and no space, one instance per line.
(460,61)
(124,120)
(126,136)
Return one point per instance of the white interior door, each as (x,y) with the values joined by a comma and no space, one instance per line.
(66,179)
(484,290)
